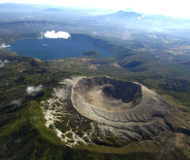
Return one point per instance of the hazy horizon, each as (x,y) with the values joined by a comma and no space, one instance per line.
(161,7)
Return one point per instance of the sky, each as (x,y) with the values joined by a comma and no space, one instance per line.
(174,8)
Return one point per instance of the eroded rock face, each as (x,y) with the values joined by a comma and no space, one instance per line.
(90,109)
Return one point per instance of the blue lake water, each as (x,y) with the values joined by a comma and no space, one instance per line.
(48,49)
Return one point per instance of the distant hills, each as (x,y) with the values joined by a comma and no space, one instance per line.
(125,14)
(52,10)
(91,21)
(132,19)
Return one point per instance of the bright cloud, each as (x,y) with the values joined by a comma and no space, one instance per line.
(32,90)
(3,46)
(2,63)
(55,35)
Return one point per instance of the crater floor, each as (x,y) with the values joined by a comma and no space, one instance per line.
(111,95)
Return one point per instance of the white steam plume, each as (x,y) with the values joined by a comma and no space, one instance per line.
(55,35)
(32,90)
(2,63)
(4,46)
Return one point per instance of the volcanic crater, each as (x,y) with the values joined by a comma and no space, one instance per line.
(110,94)
(115,100)
(109,107)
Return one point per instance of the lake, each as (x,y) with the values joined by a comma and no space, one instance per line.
(48,49)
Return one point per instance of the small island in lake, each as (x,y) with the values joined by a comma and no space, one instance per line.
(92,53)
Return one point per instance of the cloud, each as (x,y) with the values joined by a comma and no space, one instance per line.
(54,35)
(32,90)
(2,63)
(4,46)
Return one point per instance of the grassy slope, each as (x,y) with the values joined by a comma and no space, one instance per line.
(28,138)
